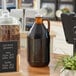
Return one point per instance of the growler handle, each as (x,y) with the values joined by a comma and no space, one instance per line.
(48,24)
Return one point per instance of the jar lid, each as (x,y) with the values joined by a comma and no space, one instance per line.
(6,19)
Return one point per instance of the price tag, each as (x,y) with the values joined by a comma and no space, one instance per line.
(8,54)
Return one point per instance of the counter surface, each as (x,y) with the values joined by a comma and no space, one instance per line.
(27,70)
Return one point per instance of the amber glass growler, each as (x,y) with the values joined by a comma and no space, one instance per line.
(38,41)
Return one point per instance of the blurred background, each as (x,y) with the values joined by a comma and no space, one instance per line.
(25,11)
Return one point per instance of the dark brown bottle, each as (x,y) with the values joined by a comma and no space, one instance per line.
(38,44)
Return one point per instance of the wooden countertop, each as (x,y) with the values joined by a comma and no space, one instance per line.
(33,71)
(11,74)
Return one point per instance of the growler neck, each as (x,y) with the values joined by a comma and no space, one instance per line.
(38,20)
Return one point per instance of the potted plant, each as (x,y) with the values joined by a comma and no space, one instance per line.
(60,11)
(69,66)
(65,10)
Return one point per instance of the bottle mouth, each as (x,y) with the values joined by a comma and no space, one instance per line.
(38,15)
(38,20)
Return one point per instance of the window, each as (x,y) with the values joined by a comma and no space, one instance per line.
(11,4)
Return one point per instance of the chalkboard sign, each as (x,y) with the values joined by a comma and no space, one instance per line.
(8,54)
(68,26)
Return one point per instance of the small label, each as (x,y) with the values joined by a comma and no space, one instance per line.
(8,54)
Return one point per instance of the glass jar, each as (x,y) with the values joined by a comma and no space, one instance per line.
(9,28)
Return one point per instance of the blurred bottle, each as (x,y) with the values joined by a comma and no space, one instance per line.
(38,41)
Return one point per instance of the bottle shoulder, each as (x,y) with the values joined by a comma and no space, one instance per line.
(38,31)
